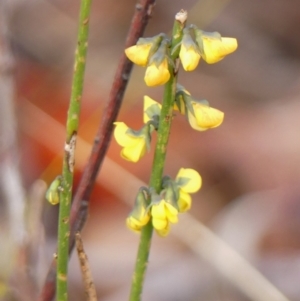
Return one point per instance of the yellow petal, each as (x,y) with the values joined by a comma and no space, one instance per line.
(205,117)
(142,220)
(184,202)
(132,225)
(121,136)
(148,102)
(164,232)
(193,122)
(134,152)
(194,183)
(158,210)
(159,224)
(171,209)
(215,49)
(157,75)
(139,54)
(172,218)
(189,58)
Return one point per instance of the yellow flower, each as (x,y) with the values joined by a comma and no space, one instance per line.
(163,213)
(151,108)
(189,51)
(144,49)
(136,224)
(140,214)
(157,74)
(188,180)
(153,53)
(134,146)
(215,49)
(205,117)
(139,54)
(189,57)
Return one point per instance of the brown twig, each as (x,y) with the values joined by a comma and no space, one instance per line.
(81,199)
(89,285)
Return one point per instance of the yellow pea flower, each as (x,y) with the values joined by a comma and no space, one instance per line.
(134,146)
(200,115)
(143,50)
(151,108)
(205,117)
(134,224)
(139,54)
(140,214)
(163,213)
(189,58)
(189,52)
(188,180)
(215,49)
(157,74)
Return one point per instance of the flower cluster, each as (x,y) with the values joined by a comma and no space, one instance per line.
(164,207)
(153,54)
(210,46)
(135,143)
(160,58)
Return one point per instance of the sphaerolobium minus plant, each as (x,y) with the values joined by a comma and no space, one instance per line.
(158,206)
(155,54)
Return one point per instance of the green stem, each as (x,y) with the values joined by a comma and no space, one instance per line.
(163,133)
(68,162)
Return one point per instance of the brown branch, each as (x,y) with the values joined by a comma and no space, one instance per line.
(80,203)
(89,286)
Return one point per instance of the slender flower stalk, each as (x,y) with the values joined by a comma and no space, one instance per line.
(66,185)
(159,159)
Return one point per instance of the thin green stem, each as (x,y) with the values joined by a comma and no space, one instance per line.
(163,133)
(155,182)
(68,162)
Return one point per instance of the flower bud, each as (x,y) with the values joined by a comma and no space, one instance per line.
(189,52)
(140,214)
(157,72)
(52,194)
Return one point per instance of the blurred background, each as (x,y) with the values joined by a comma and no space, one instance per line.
(250,165)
